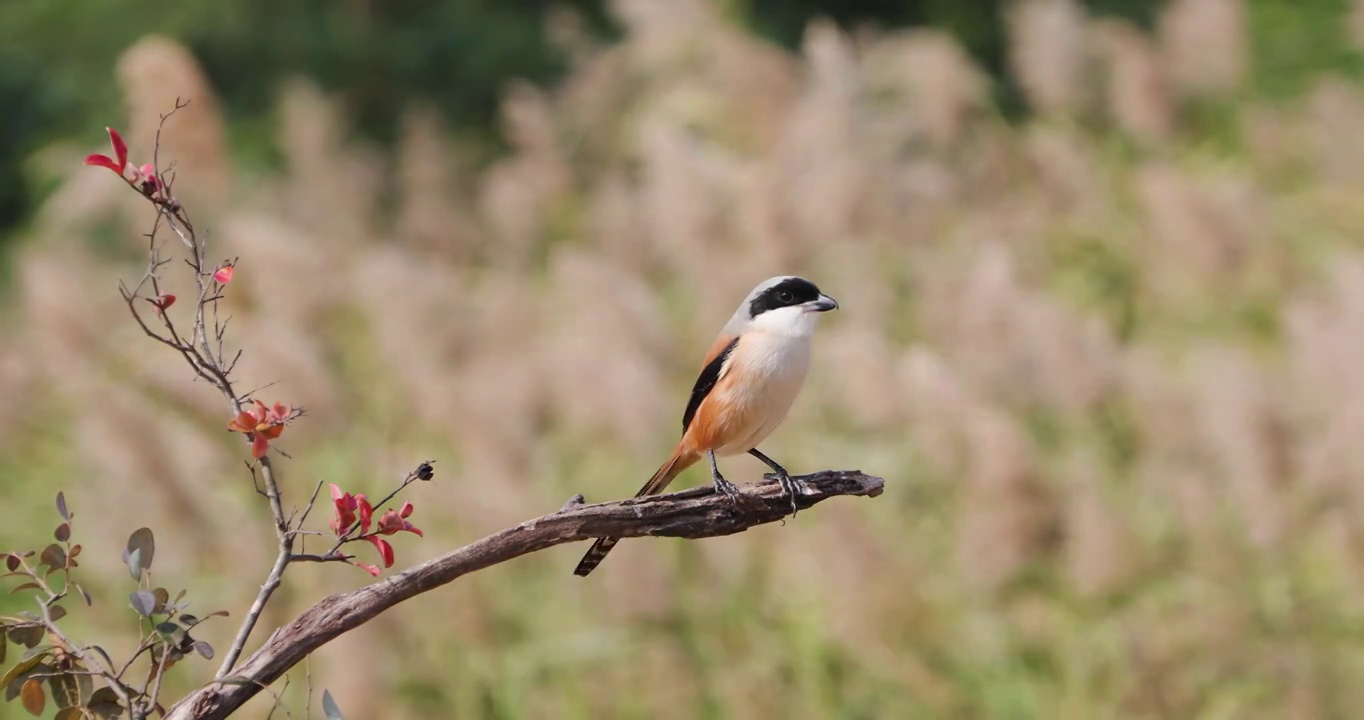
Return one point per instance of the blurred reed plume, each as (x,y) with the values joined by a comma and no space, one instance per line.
(1107,359)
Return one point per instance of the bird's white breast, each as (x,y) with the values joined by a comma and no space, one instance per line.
(770,368)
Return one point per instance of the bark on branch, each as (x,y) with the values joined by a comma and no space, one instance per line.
(694,513)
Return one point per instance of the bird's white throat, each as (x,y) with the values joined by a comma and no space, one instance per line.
(794,322)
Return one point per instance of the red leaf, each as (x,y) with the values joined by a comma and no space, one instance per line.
(385,550)
(371,569)
(406,511)
(392,521)
(366,512)
(345,510)
(103,161)
(120,148)
(243,423)
(280,412)
(224,275)
(260,445)
(162,301)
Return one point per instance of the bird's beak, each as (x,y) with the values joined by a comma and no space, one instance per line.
(823,303)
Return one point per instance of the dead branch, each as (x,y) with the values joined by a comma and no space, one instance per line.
(695,513)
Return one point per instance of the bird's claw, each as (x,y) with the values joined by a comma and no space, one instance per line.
(727,488)
(790,486)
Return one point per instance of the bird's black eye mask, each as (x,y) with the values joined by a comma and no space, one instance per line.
(787,293)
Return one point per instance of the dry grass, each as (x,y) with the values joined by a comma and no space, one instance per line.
(1108,363)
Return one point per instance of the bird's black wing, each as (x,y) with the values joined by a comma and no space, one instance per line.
(710,375)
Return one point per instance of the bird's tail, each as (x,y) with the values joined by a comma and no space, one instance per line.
(680,460)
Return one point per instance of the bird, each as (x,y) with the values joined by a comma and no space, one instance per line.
(749,378)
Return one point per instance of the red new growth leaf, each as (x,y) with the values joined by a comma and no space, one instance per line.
(345,510)
(120,158)
(347,506)
(393,521)
(260,445)
(261,424)
(366,512)
(385,550)
(120,147)
(143,178)
(224,275)
(103,161)
(161,302)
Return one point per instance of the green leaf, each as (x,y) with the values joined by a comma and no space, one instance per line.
(53,556)
(83,687)
(329,707)
(174,635)
(143,601)
(37,652)
(104,656)
(26,636)
(65,691)
(63,532)
(22,667)
(139,552)
(61,507)
(188,620)
(107,697)
(104,694)
(32,696)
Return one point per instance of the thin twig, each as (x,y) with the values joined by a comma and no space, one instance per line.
(143,647)
(314,558)
(272,581)
(279,700)
(160,673)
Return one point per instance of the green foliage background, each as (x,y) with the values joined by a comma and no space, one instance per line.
(56,56)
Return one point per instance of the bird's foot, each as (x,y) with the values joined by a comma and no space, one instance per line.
(727,488)
(791,487)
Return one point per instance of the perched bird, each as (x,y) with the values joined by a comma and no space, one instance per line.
(749,379)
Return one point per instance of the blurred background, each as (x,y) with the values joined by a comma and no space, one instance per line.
(1103,315)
